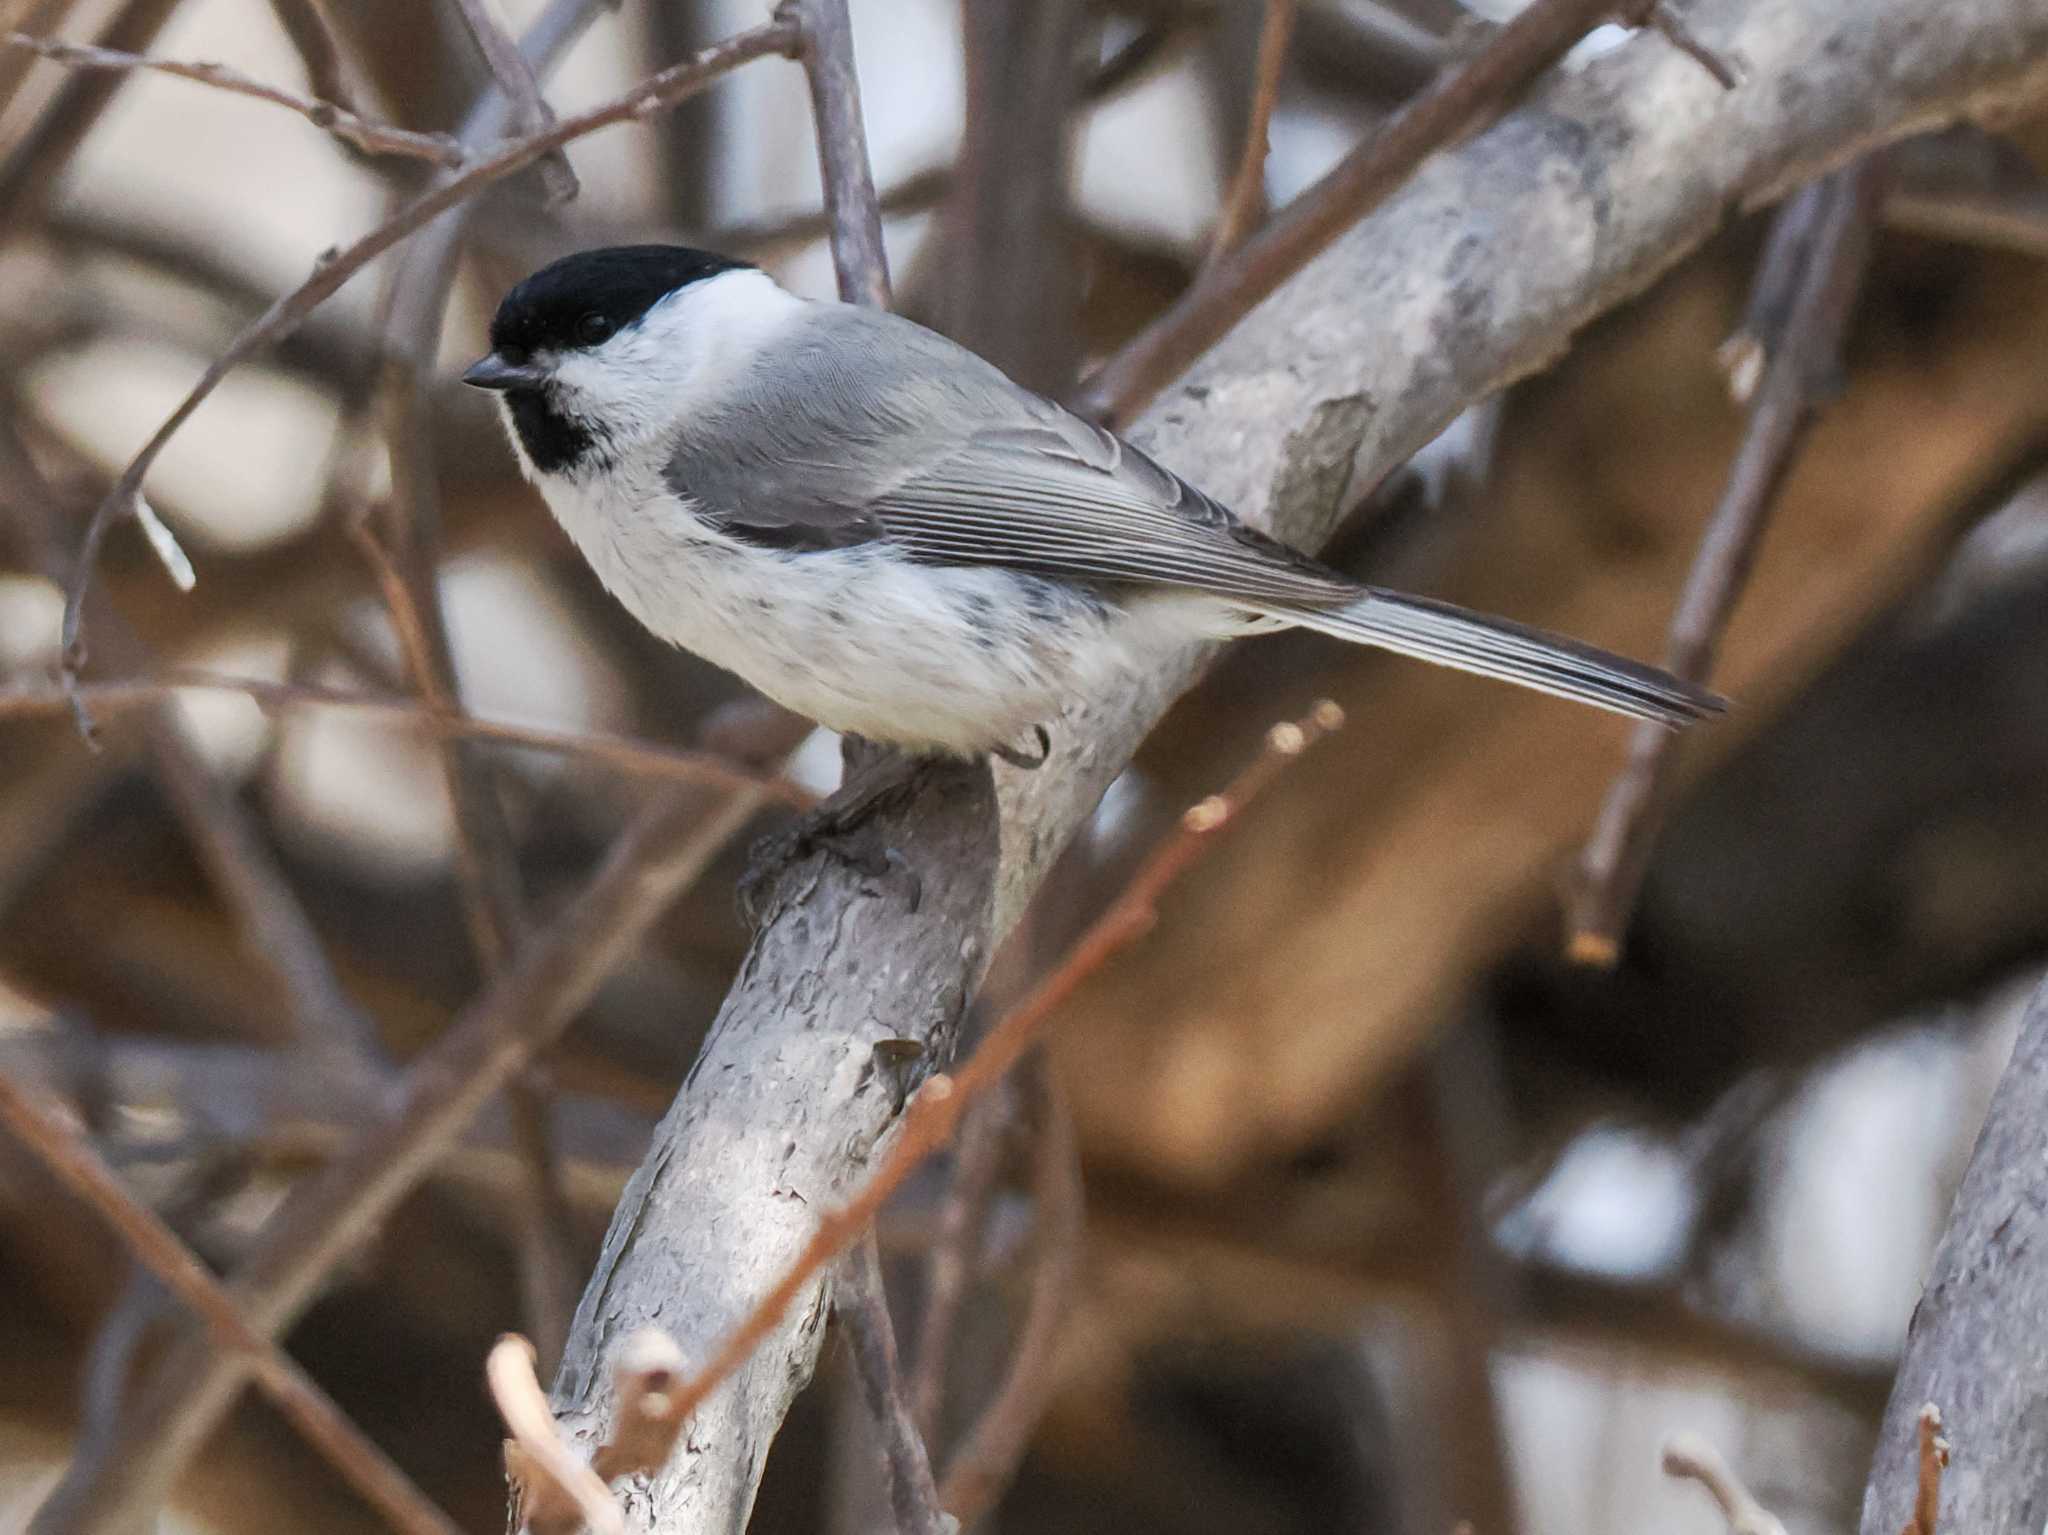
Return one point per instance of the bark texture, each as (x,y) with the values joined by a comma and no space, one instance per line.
(1475,274)
(1978,1347)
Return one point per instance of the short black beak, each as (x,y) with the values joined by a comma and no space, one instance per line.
(492,372)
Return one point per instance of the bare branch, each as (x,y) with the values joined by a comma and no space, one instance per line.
(1690,1458)
(650,1419)
(1665,18)
(372,137)
(158,1249)
(825,45)
(651,96)
(333,1213)
(39,156)
(933,1113)
(1452,106)
(862,1306)
(516,78)
(558,1492)
(1821,247)
(1245,202)
(953,1254)
(306,24)
(646,759)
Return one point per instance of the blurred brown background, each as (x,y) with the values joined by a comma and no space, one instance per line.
(1393,1217)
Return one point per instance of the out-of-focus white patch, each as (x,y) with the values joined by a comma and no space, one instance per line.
(816,764)
(362,792)
(1618,1202)
(1864,1186)
(242,474)
(519,655)
(230,731)
(31,621)
(1148,163)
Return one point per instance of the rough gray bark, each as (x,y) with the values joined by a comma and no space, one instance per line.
(1978,1344)
(1475,274)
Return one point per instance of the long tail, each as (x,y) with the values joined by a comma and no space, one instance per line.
(1496,647)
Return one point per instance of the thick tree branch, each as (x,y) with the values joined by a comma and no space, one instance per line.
(1475,273)
(1976,1348)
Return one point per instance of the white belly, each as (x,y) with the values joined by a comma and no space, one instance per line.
(927,657)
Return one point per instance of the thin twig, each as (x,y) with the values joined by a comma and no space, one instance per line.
(273,922)
(1451,107)
(558,1491)
(37,158)
(334,1212)
(1933,1461)
(933,1113)
(516,78)
(646,1422)
(1245,202)
(650,96)
(988,1458)
(1690,1458)
(158,1249)
(306,24)
(954,1250)
(826,48)
(372,137)
(1800,374)
(642,758)
(862,1306)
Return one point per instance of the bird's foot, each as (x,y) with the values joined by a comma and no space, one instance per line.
(1024,760)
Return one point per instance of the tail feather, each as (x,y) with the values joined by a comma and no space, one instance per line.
(1500,648)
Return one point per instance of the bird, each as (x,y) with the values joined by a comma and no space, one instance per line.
(880,530)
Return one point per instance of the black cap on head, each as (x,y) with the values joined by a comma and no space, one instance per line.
(584,299)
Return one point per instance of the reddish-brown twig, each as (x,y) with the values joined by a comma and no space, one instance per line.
(1690,1458)
(1245,201)
(826,48)
(555,1491)
(558,1491)
(861,1305)
(933,1113)
(988,1457)
(372,137)
(335,1211)
(1933,1461)
(1452,106)
(158,1249)
(655,94)
(1824,238)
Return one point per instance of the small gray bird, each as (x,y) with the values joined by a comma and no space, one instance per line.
(879,530)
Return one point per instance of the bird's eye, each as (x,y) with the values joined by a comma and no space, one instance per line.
(592,329)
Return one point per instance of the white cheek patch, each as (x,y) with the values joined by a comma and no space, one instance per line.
(684,356)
